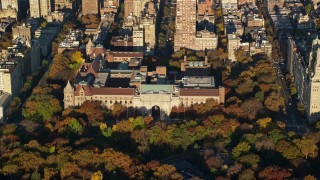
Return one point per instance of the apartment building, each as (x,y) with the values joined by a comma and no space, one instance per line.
(205,40)
(11,80)
(306,71)
(229,4)
(9,12)
(138,38)
(185,24)
(40,8)
(147,23)
(23,31)
(233,44)
(134,6)
(7,4)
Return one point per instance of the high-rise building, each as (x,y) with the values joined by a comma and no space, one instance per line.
(128,7)
(149,28)
(9,3)
(185,24)
(11,79)
(90,7)
(233,44)
(137,38)
(134,6)
(186,35)
(306,73)
(39,8)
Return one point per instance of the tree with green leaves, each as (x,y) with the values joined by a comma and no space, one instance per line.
(240,149)
(307,147)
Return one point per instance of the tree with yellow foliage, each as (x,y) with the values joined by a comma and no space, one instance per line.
(97,176)
(263,122)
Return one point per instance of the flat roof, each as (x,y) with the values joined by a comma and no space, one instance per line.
(156,88)
(199,92)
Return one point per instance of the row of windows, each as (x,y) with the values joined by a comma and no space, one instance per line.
(124,102)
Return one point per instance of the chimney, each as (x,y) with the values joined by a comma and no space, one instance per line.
(185,56)
(205,57)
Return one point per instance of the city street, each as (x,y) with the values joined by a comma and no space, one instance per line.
(292,119)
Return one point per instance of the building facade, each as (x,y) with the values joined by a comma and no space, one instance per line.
(7,4)
(306,73)
(134,6)
(233,44)
(205,40)
(10,12)
(149,29)
(40,8)
(185,24)
(137,38)
(11,79)
(23,31)
(229,4)
(163,96)
(5,100)
(90,7)
(186,35)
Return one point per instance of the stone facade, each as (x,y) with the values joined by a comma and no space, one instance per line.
(149,96)
(205,40)
(7,4)
(22,32)
(306,73)
(233,44)
(90,7)
(134,6)
(10,12)
(40,8)
(185,24)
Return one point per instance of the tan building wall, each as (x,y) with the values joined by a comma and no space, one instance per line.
(39,8)
(307,81)
(150,34)
(137,37)
(10,12)
(185,24)
(134,6)
(5,4)
(90,7)
(11,82)
(21,31)
(128,7)
(233,44)
(45,7)
(206,39)
(313,107)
